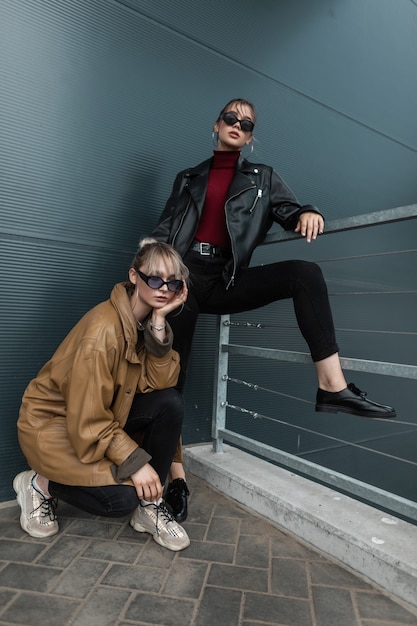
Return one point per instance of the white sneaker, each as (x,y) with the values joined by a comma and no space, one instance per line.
(157,520)
(38,517)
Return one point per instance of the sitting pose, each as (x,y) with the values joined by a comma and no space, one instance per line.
(216,215)
(100,423)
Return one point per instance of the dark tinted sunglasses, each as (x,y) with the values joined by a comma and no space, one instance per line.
(230,119)
(156,282)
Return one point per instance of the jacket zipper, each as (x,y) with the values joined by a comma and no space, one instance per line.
(232,278)
(258,195)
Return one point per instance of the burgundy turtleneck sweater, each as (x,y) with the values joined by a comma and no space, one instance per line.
(212,228)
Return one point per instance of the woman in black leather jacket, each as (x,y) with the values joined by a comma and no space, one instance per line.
(216,215)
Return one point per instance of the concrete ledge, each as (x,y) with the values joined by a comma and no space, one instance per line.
(381,547)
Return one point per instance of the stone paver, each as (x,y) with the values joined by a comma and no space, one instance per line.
(239,571)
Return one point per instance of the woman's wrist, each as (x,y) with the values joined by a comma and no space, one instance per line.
(154,327)
(158,323)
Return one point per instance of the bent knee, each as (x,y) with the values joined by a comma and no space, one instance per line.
(308,270)
(172,398)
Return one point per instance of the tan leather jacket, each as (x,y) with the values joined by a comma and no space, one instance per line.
(72,414)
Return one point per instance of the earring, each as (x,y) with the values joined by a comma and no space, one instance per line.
(251,147)
(214,138)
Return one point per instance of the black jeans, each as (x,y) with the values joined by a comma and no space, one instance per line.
(157,416)
(256,287)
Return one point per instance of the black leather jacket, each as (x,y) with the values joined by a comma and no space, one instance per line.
(257,197)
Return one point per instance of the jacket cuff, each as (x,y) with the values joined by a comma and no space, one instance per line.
(306,208)
(153,345)
(135,461)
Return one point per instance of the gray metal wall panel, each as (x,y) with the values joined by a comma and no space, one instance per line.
(335,85)
(353,57)
(97,96)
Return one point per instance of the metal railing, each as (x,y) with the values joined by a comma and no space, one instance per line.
(221,433)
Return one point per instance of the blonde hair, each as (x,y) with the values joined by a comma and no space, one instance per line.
(150,251)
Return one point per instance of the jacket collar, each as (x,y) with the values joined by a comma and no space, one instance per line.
(198,179)
(246,166)
(244,176)
(197,183)
(203,168)
(119,298)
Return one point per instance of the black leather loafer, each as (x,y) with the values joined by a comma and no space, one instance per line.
(176,497)
(352,400)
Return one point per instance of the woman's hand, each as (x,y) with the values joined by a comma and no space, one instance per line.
(147,483)
(158,323)
(310,225)
(176,301)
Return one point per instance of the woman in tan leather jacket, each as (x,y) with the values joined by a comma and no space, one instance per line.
(109,385)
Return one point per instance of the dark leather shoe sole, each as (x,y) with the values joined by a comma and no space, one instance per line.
(329,408)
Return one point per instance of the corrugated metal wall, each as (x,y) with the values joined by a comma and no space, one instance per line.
(101,102)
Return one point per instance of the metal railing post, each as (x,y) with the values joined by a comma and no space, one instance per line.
(220,386)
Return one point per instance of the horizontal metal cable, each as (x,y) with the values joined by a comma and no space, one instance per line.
(401,292)
(255,387)
(262,325)
(330,437)
(372,331)
(367,256)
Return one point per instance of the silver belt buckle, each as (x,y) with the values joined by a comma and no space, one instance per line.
(205,249)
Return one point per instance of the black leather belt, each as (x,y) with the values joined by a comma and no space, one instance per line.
(206,249)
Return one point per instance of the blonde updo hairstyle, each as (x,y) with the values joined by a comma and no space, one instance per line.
(150,251)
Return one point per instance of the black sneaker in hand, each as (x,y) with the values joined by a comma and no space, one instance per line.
(176,498)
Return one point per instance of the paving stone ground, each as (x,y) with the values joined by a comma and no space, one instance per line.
(238,571)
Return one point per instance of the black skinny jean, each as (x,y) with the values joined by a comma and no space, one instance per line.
(157,416)
(255,287)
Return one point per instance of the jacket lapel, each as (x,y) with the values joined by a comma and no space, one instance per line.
(242,179)
(198,179)
(197,183)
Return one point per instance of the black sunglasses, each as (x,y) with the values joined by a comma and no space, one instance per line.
(156,282)
(230,119)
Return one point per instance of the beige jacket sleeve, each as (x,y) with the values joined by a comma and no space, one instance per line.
(162,362)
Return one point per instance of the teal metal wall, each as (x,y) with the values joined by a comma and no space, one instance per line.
(102,101)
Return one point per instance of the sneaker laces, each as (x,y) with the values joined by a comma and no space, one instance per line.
(47,507)
(162,512)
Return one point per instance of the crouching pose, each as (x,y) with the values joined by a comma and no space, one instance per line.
(100,423)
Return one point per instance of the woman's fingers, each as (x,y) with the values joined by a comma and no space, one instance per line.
(147,483)
(310,225)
